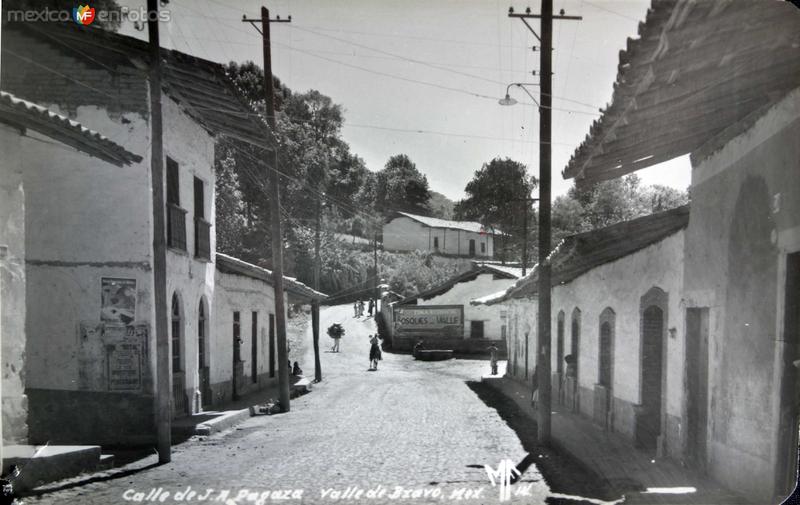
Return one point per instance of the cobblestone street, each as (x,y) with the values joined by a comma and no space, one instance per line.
(411,424)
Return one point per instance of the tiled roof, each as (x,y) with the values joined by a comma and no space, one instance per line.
(697,69)
(22,113)
(444,287)
(579,253)
(434,222)
(513,270)
(201,87)
(230,265)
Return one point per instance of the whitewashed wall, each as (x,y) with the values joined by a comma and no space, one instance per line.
(192,279)
(405,234)
(232,293)
(463,292)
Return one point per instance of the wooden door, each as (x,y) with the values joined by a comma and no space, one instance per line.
(652,359)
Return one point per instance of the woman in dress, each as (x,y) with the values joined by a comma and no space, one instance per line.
(374,352)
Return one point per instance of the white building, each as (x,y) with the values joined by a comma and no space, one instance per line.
(479,325)
(89,319)
(615,307)
(410,232)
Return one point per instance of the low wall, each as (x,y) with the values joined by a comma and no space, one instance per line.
(90,417)
(457,345)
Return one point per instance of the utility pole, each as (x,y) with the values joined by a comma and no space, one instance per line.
(527,201)
(163,384)
(543,354)
(275,212)
(375,292)
(315,303)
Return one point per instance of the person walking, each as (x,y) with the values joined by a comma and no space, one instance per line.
(371,307)
(374,352)
(355,308)
(361,308)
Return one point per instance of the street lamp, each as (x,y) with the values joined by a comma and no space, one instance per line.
(543,354)
(522,85)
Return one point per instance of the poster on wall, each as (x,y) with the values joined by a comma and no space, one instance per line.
(124,363)
(118,304)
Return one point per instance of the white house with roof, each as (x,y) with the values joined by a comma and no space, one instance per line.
(469,328)
(89,315)
(410,232)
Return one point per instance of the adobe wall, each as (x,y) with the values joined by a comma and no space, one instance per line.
(745,220)
(463,292)
(245,295)
(405,234)
(12,288)
(620,286)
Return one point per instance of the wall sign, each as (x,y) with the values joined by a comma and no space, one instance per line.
(123,356)
(429,321)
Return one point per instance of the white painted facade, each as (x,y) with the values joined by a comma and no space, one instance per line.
(464,292)
(245,295)
(620,286)
(405,234)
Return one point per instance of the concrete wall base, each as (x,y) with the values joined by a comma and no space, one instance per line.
(90,417)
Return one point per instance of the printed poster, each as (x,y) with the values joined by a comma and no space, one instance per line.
(118,300)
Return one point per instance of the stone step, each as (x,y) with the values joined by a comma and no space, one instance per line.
(42,464)
(106,462)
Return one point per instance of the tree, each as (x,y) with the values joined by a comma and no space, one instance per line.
(609,202)
(400,186)
(441,206)
(496,197)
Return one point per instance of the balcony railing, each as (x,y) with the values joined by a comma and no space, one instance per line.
(176,227)
(202,238)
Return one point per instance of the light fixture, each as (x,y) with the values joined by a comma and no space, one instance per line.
(507,100)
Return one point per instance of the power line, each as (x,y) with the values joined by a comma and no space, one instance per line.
(400,57)
(407,79)
(599,7)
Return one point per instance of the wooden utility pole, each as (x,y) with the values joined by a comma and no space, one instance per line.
(543,354)
(315,302)
(163,395)
(527,202)
(275,211)
(375,293)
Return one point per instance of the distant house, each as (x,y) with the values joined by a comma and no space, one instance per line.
(410,232)
(443,316)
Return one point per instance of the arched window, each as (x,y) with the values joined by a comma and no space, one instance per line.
(653,306)
(560,343)
(606,354)
(575,344)
(202,333)
(177,328)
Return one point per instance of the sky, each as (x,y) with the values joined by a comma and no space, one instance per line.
(422,77)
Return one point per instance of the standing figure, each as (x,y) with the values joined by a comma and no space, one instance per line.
(361,308)
(335,331)
(371,306)
(535,387)
(355,308)
(572,365)
(493,358)
(374,352)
